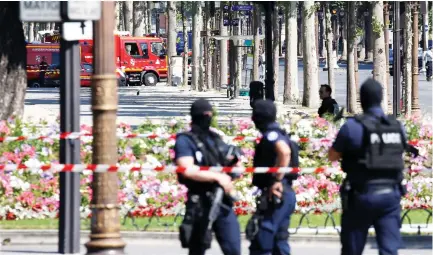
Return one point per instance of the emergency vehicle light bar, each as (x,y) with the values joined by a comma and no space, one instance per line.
(122,33)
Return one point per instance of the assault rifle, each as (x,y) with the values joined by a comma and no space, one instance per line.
(233,156)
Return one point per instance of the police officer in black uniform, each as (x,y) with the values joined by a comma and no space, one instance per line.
(371,146)
(203,147)
(268,228)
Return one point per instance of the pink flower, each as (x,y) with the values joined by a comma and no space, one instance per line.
(4,129)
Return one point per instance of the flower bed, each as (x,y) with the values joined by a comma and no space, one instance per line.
(35,194)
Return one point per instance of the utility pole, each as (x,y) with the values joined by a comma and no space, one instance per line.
(269,80)
(396,62)
(70,197)
(386,7)
(105,224)
(415,73)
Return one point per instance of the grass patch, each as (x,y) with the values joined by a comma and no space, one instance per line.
(166,223)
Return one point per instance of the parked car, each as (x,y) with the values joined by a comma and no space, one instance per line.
(391,60)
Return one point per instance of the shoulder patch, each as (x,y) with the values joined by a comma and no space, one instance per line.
(272,136)
(198,156)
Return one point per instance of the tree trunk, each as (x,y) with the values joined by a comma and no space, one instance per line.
(257,23)
(31,31)
(407,62)
(238,58)
(149,16)
(291,91)
(323,34)
(351,51)
(196,27)
(336,40)
(379,57)
(13,76)
(118,10)
(369,37)
(145,18)
(330,56)
(137,18)
(300,29)
(317,31)
(202,81)
(344,36)
(275,51)
(310,98)
(223,52)
(209,50)
(171,40)
(185,44)
(300,33)
(127,16)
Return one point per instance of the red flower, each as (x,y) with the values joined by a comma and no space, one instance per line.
(10,216)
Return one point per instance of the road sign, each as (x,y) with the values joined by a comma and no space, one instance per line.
(226,22)
(248,43)
(242,8)
(81,10)
(74,31)
(226,7)
(40,11)
(235,22)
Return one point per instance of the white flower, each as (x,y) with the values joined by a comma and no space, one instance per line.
(164,187)
(142,200)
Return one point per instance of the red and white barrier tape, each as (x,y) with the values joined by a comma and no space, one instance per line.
(101,168)
(76,135)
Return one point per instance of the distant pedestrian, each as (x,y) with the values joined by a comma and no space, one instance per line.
(43,66)
(428,58)
(329,105)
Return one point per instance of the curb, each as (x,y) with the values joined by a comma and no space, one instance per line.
(50,237)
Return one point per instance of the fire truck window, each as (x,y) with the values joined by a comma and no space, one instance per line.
(55,58)
(157,48)
(145,50)
(132,49)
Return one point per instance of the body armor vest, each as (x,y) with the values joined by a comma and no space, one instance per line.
(383,144)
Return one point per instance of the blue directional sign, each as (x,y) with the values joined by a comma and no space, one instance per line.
(235,22)
(242,8)
(226,7)
(226,22)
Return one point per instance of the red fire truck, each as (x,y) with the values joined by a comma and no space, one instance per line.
(45,58)
(142,60)
(139,60)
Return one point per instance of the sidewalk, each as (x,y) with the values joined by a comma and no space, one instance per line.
(328,234)
(159,103)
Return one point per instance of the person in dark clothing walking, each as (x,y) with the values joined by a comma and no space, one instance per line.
(329,105)
(43,66)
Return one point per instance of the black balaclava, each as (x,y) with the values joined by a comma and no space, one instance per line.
(264,113)
(371,94)
(198,116)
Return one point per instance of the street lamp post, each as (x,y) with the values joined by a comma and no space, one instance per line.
(105,224)
(386,8)
(415,44)
(269,81)
(396,61)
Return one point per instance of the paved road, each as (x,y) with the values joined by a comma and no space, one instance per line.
(170,247)
(425,88)
(152,103)
(163,102)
